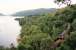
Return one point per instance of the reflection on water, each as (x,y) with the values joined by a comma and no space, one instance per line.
(9,30)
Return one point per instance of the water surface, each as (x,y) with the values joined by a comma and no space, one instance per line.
(9,30)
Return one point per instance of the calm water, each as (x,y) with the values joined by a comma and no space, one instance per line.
(9,30)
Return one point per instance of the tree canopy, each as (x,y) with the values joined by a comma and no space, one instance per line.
(39,32)
(67,2)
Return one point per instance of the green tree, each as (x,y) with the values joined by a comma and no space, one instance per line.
(67,2)
(39,32)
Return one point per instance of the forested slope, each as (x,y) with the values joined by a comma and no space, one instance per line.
(38,33)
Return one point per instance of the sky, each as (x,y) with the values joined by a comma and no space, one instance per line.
(11,6)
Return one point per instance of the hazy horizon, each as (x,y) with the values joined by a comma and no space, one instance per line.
(11,6)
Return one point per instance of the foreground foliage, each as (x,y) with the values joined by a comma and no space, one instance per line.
(39,32)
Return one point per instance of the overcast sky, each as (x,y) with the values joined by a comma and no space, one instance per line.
(11,6)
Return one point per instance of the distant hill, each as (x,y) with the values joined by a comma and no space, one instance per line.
(2,14)
(34,12)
